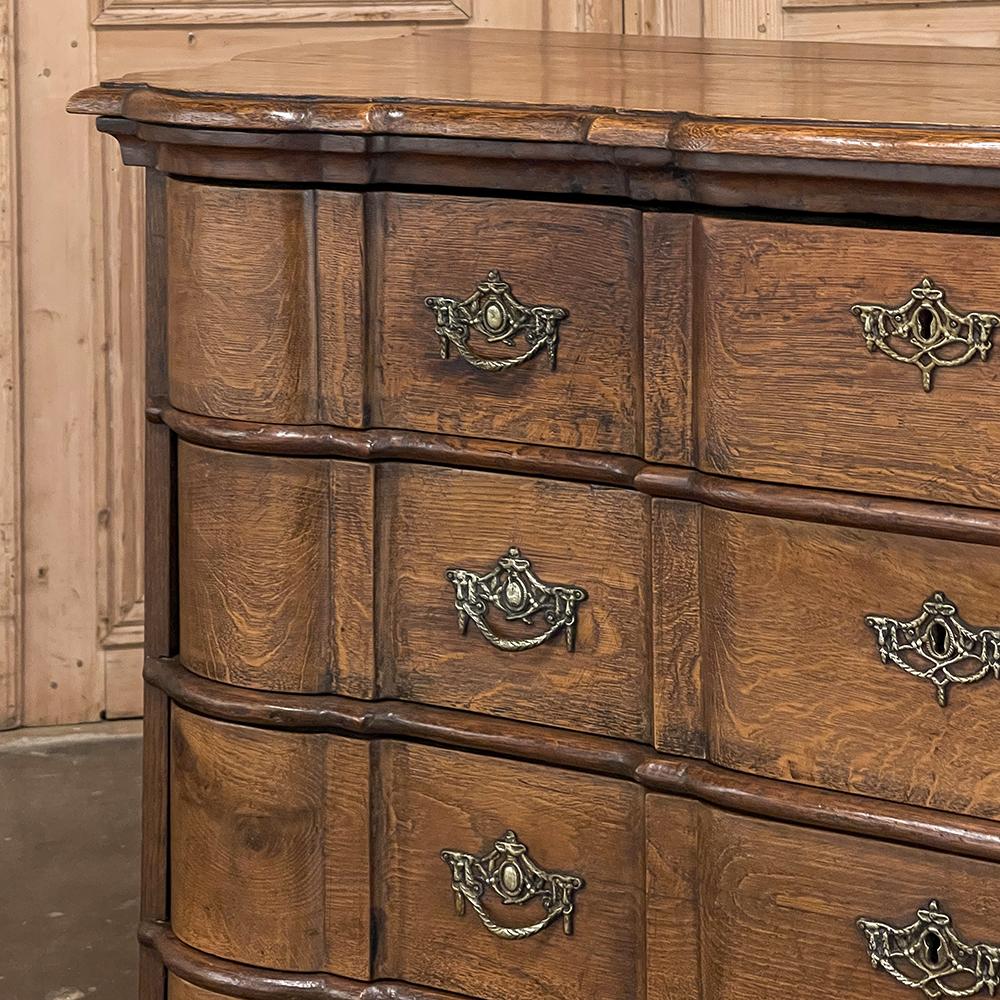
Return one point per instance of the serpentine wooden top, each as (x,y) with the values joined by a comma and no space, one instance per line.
(890,103)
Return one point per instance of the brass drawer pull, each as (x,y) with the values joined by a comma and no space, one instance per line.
(935,642)
(925,332)
(929,956)
(512,588)
(510,873)
(493,313)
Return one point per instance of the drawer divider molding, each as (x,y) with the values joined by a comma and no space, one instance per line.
(696,779)
(797,503)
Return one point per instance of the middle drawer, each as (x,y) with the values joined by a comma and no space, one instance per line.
(506,595)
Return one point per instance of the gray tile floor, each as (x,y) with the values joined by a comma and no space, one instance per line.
(69,862)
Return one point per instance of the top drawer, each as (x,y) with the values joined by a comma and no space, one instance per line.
(485,317)
(854,359)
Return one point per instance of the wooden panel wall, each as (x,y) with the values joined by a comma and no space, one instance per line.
(71,264)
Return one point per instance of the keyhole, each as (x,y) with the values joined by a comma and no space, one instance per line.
(940,639)
(932,946)
(925,323)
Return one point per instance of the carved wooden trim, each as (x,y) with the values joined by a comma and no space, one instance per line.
(263,12)
(799,503)
(697,779)
(230,979)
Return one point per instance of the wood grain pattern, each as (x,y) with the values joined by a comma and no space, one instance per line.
(276,571)
(669,18)
(433,519)
(967,836)
(679,715)
(256,12)
(780,904)
(912,517)
(242,302)
(777,325)
(11,584)
(798,690)
(579,258)
(668,344)
(440,799)
(269,846)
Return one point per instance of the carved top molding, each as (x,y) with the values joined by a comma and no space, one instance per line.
(262,12)
(689,96)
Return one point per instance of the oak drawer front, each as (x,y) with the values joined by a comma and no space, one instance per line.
(269,846)
(462,553)
(276,571)
(265,291)
(796,620)
(775,910)
(449,269)
(791,389)
(454,819)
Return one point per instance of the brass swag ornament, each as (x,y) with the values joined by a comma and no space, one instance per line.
(493,313)
(929,956)
(925,332)
(516,880)
(936,642)
(513,589)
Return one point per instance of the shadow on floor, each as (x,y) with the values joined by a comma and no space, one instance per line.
(69,862)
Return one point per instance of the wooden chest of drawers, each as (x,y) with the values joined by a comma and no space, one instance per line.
(573,521)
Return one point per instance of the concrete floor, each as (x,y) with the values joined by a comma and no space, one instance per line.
(69,862)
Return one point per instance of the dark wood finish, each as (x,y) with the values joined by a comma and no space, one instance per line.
(269,846)
(276,571)
(911,517)
(716,458)
(787,390)
(432,519)
(160,578)
(968,836)
(578,258)
(797,690)
(778,904)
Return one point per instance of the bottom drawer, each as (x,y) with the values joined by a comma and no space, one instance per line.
(742,908)
(466,874)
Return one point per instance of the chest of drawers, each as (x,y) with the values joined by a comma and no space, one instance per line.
(573,511)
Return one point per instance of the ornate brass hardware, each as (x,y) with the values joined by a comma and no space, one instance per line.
(925,332)
(935,642)
(509,872)
(929,956)
(495,314)
(513,589)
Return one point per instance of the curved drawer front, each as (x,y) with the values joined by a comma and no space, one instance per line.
(857,660)
(277,839)
(781,910)
(516,597)
(859,359)
(510,320)
(269,846)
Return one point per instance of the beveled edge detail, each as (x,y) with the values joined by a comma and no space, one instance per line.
(797,503)
(677,132)
(701,780)
(247,982)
